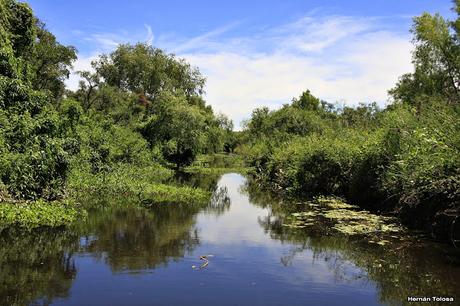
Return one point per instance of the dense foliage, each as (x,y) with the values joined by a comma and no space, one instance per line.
(404,159)
(139,109)
(33,162)
(156,96)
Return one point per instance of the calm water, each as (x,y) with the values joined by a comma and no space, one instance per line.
(136,256)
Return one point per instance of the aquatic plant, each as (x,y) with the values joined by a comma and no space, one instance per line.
(40,213)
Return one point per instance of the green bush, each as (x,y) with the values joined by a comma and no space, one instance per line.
(425,173)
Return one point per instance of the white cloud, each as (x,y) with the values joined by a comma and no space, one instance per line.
(83,63)
(339,58)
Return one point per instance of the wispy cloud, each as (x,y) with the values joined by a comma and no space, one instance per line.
(204,41)
(339,58)
(311,34)
(149,39)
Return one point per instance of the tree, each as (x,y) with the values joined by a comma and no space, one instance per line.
(139,85)
(436,61)
(179,128)
(50,62)
(33,163)
(17,26)
(258,119)
(142,69)
(229,137)
(88,86)
(307,101)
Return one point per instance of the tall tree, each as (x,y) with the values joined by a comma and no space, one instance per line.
(436,60)
(180,129)
(149,71)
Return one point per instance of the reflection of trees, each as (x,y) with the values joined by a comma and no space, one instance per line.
(399,270)
(287,259)
(138,238)
(38,267)
(35,266)
(257,195)
(129,238)
(199,180)
(220,201)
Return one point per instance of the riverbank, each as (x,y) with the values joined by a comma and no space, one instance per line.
(396,160)
(31,215)
(143,186)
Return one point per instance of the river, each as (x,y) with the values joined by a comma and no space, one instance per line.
(126,255)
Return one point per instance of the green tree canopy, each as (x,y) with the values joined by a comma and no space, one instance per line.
(149,71)
(436,60)
(179,128)
(50,62)
(33,162)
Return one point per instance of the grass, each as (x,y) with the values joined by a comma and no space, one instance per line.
(161,193)
(138,185)
(127,184)
(31,215)
(143,185)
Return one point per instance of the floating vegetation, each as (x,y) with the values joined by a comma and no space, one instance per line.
(381,242)
(353,228)
(304,214)
(334,203)
(345,218)
(203,170)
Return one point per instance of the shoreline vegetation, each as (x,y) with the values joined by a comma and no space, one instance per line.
(402,160)
(125,135)
(121,134)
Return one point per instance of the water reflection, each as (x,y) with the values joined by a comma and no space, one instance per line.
(129,255)
(36,267)
(220,201)
(198,180)
(128,238)
(40,267)
(410,267)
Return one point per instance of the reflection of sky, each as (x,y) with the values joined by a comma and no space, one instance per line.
(238,225)
(246,270)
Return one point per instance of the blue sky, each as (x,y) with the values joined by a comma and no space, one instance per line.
(256,53)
